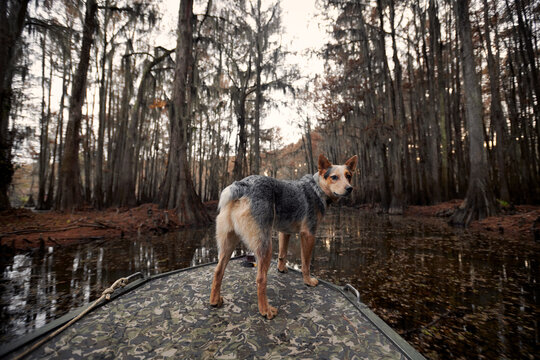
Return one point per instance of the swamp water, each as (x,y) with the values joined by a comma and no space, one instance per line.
(450,294)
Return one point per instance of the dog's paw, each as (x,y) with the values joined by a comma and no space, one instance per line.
(310,281)
(218,303)
(282,265)
(269,313)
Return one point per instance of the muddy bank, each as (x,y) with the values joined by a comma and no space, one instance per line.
(516,222)
(22,229)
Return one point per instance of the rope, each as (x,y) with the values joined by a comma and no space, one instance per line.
(105,295)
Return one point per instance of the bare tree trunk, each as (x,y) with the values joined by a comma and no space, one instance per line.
(496,113)
(50,191)
(397,200)
(87,151)
(98,181)
(431,130)
(44,132)
(12,16)
(258,90)
(397,147)
(460,148)
(120,135)
(66,55)
(110,131)
(240,159)
(57,151)
(480,200)
(202,153)
(48,201)
(177,190)
(125,192)
(529,57)
(69,191)
(440,178)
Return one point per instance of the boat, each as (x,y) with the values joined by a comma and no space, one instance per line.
(168,316)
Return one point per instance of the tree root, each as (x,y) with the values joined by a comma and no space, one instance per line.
(479,204)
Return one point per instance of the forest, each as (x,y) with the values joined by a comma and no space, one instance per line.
(121,121)
(439,99)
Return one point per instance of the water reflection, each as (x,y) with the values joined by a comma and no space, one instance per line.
(44,284)
(447,292)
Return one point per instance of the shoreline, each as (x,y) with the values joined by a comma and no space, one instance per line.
(24,229)
(515,222)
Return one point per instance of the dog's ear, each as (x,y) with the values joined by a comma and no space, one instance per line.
(324,164)
(351,163)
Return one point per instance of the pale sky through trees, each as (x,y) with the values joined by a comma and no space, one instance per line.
(303,34)
(303,31)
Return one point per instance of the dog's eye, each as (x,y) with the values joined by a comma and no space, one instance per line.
(349,177)
(334,177)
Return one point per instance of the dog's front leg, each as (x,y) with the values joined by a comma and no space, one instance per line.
(282,257)
(307,242)
(262,277)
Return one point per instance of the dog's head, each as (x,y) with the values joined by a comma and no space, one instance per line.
(335,180)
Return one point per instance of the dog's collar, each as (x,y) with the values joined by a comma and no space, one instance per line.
(325,199)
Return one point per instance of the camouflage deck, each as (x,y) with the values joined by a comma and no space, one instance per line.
(171,317)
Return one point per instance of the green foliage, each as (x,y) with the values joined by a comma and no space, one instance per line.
(503,204)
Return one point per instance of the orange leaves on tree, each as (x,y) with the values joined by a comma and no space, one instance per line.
(158,104)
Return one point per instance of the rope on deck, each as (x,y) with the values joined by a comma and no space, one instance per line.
(105,295)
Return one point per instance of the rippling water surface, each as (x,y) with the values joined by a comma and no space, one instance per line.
(449,293)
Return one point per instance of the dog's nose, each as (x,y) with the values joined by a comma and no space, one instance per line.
(349,189)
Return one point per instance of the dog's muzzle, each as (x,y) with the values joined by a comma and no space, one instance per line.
(347,192)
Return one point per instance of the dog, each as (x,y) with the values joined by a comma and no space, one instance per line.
(250,208)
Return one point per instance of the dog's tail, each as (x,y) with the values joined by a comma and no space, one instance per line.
(232,192)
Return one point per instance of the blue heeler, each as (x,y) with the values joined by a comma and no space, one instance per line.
(250,208)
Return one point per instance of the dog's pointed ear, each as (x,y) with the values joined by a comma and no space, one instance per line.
(351,163)
(324,164)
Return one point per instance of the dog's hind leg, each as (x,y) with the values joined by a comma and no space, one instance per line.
(264,255)
(227,240)
(307,241)
(282,257)
(257,238)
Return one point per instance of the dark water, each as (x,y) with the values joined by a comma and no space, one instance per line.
(450,294)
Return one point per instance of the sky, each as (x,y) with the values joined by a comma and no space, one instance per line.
(302,32)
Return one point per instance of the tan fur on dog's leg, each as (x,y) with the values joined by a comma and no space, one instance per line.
(307,242)
(282,257)
(227,241)
(262,278)
(215,297)
(224,257)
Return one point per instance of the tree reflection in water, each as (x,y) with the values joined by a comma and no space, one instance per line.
(447,292)
(44,284)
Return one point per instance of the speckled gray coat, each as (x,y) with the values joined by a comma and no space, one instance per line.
(281,202)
